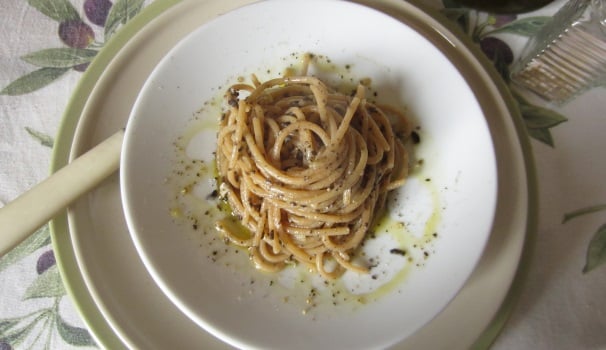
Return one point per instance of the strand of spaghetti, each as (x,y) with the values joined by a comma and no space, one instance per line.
(346,263)
(265,262)
(273,215)
(381,133)
(320,266)
(260,227)
(266,251)
(295,250)
(320,94)
(344,127)
(258,132)
(332,231)
(246,199)
(402,172)
(255,81)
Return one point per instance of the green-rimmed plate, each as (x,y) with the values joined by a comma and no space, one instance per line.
(110,286)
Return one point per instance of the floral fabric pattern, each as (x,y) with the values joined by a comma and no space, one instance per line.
(82,29)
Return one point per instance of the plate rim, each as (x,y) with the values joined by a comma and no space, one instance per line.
(73,281)
(156,88)
(492,331)
(60,231)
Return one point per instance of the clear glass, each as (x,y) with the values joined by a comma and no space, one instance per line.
(568,55)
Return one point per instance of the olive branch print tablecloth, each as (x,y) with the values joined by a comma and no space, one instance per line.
(45,45)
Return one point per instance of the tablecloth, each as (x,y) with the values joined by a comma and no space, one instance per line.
(45,45)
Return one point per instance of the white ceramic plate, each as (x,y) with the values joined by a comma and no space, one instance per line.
(453,194)
(111,288)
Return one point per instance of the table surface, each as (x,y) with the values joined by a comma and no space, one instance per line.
(560,306)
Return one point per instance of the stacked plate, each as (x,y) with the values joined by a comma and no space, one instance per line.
(145,285)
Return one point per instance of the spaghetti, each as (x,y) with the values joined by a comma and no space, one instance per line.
(305,169)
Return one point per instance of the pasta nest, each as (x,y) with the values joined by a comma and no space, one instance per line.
(305,170)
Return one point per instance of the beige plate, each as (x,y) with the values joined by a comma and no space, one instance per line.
(102,271)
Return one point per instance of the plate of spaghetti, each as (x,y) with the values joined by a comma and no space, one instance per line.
(294,181)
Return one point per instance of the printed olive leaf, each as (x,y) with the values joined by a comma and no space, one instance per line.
(33,81)
(583,211)
(17,337)
(537,117)
(120,13)
(20,328)
(8,324)
(73,335)
(59,10)
(596,251)
(45,140)
(539,120)
(39,239)
(65,57)
(48,284)
(527,26)
(542,135)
